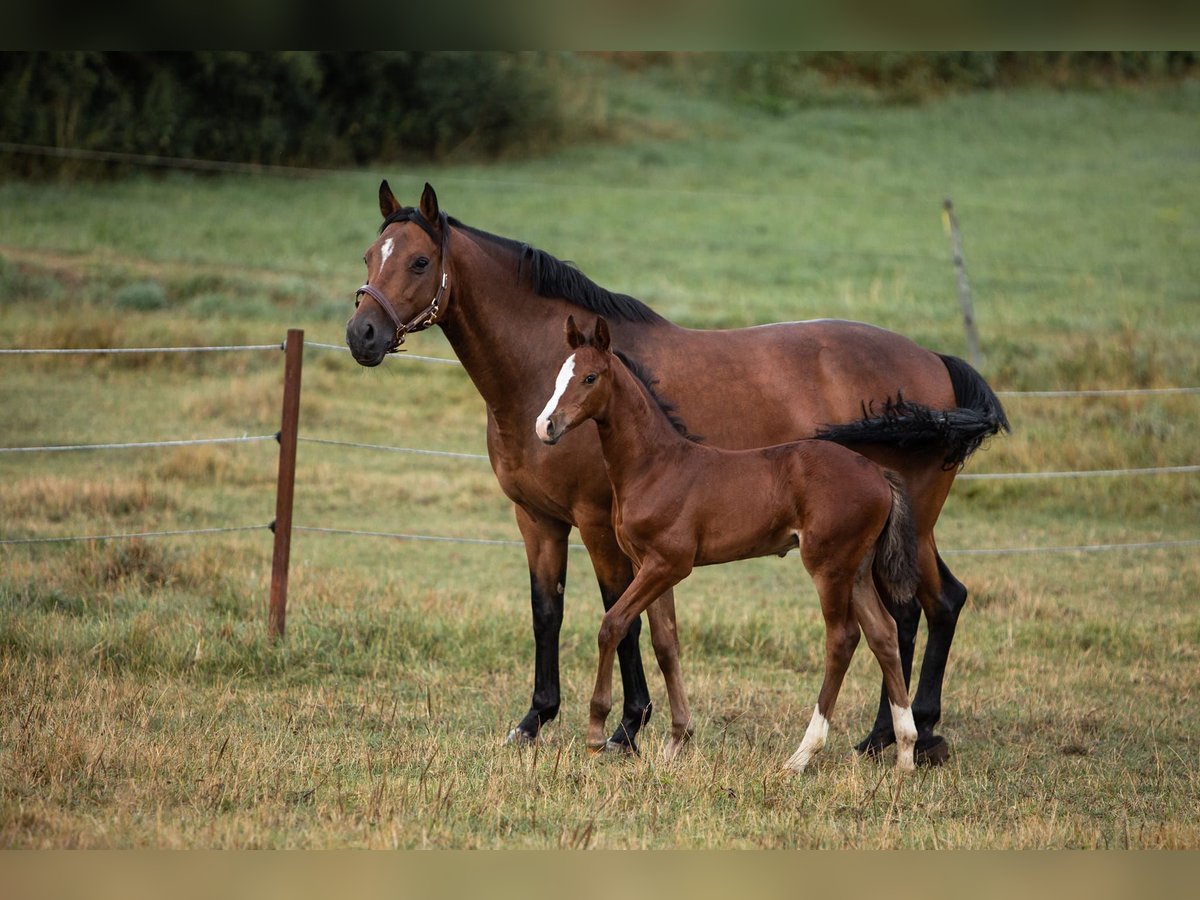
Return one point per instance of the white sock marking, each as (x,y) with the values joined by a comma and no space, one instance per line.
(560,385)
(905,728)
(814,740)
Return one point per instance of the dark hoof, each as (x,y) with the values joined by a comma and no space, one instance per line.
(873,745)
(933,751)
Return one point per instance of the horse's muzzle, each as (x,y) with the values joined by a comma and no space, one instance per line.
(368,344)
(547,431)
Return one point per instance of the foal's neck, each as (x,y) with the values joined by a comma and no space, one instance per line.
(634,432)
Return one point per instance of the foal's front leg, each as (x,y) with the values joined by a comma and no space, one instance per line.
(653,579)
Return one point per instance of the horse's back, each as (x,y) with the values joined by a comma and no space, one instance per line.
(751,387)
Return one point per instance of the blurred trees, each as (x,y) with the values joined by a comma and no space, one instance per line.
(283,108)
(339,108)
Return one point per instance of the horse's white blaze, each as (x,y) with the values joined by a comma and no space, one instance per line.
(814,740)
(906,735)
(386,250)
(560,385)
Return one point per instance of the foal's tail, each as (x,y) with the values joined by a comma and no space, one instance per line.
(896,549)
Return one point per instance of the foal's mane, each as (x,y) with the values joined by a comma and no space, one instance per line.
(647,380)
(547,275)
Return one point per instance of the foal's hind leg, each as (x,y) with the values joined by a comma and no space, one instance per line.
(880,629)
(841,637)
(665,637)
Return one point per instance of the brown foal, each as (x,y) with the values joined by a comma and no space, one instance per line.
(678,504)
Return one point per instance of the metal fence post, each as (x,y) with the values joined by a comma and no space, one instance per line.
(282,526)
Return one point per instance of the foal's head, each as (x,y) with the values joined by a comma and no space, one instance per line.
(584,382)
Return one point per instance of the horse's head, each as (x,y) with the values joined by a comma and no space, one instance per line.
(584,382)
(406,282)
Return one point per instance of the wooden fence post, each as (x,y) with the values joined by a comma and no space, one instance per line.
(950,223)
(282,526)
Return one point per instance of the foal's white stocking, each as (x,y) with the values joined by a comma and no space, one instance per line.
(814,740)
(906,736)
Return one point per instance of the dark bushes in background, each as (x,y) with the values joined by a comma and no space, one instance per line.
(282,108)
(782,82)
(345,109)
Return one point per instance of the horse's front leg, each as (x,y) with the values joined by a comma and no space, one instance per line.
(654,578)
(546,551)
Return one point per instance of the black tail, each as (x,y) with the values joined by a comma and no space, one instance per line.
(957,432)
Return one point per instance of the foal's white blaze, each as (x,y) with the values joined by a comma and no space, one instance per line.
(560,385)
(814,740)
(386,250)
(906,735)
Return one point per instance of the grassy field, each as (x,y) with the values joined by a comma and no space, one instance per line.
(141,704)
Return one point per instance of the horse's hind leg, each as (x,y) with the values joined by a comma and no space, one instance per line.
(880,628)
(942,614)
(841,637)
(665,637)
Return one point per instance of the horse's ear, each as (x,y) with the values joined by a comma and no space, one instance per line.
(388,203)
(601,340)
(429,204)
(574,336)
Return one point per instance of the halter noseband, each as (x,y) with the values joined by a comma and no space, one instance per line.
(429,314)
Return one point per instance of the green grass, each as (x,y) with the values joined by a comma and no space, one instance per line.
(141,704)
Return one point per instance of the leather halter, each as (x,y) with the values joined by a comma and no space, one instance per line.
(429,314)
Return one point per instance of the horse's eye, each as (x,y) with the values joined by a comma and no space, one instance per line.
(590,379)
(420,263)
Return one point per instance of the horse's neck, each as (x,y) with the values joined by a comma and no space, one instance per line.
(491,323)
(634,432)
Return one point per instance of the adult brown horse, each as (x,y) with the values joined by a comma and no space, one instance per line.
(501,305)
(678,504)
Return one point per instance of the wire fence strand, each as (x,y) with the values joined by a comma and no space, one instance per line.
(443,361)
(433,538)
(138,444)
(1084,548)
(1086,473)
(80,351)
(131,535)
(497,542)
(983,476)
(1102,392)
(413,450)
(993,551)
(437,360)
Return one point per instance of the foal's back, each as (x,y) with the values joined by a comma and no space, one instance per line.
(739,504)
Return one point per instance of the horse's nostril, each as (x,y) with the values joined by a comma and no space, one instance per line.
(369,332)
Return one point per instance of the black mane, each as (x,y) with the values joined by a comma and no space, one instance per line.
(547,275)
(638,371)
